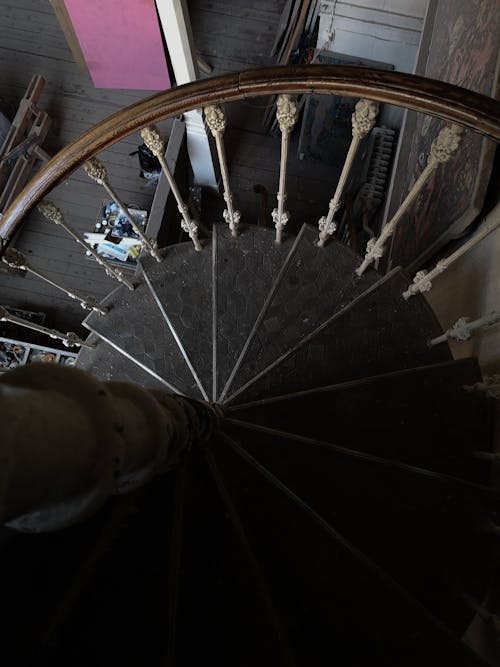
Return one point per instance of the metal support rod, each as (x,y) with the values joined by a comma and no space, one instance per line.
(17,260)
(423,279)
(156,144)
(442,149)
(55,215)
(363,121)
(69,339)
(84,440)
(463,328)
(97,172)
(286,114)
(216,120)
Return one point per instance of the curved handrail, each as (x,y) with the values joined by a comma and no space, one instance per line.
(452,103)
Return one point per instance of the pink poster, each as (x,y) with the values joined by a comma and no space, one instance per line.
(121,43)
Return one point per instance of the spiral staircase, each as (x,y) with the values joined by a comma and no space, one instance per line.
(335,510)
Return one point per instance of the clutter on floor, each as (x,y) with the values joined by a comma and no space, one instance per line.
(113,236)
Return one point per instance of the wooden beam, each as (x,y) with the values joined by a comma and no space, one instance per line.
(174,20)
(69,33)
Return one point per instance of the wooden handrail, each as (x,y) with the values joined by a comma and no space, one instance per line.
(436,98)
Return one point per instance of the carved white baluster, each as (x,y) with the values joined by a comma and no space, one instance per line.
(216,120)
(97,172)
(442,149)
(156,144)
(363,121)
(17,260)
(286,115)
(423,279)
(490,386)
(463,328)
(52,213)
(69,339)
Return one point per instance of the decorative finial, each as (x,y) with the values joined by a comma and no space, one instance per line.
(216,119)
(154,141)
(460,330)
(446,144)
(14,258)
(51,212)
(364,118)
(96,170)
(286,113)
(72,340)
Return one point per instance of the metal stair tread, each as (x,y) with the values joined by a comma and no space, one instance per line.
(106,363)
(219,601)
(183,285)
(317,283)
(391,514)
(378,334)
(245,270)
(137,329)
(417,402)
(320,581)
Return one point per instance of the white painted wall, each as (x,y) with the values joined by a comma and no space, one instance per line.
(174,19)
(387,31)
(384,30)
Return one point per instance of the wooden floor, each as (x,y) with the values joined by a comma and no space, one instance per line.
(232,35)
(33,43)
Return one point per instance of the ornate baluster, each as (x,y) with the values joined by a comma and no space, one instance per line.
(463,328)
(490,385)
(97,172)
(156,144)
(442,149)
(69,339)
(52,213)
(216,120)
(17,260)
(423,279)
(286,115)
(363,121)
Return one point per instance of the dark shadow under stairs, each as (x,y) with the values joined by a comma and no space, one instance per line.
(336,516)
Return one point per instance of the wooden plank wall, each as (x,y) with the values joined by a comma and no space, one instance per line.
(33,42)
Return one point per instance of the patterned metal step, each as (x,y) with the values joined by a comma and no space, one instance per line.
(316,283)
(245,270)
(377,334)
(136,329)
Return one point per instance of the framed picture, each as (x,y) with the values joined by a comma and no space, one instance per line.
(41,355)
(14,353)
(114,237)
(67,359)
